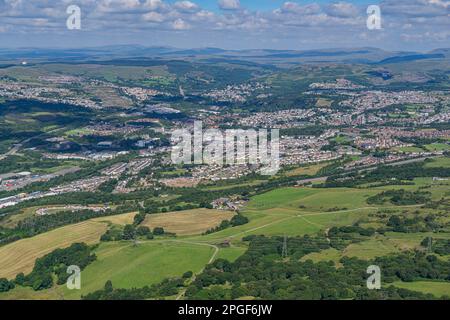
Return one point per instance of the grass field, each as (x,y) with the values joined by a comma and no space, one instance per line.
(437,147)
(190,222)
(12,220)
(409,149)
(436,288)
(313,200)
(20,256)
(439,162)
(298,211)
(325,255)
(128,266)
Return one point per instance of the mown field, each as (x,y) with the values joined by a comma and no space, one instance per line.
(20,256)
(438,289)
(129,266)
(190,222)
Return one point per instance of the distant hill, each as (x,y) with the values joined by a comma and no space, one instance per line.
(413,57)
(266,57)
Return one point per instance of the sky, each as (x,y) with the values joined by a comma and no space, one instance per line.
(407,25)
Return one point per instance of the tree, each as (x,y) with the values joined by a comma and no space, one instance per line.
(6,285)
(128,232)
(143,231)
(20,279)
(158,231)
(108,286)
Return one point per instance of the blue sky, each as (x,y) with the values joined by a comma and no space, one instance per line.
(233,24)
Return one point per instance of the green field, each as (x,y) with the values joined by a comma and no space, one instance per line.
(148,263)
(436,288)
(438,147)
(439,162)
(409,149)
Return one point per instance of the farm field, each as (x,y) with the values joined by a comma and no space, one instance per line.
(121,219)
(443,162)
(438,147)
(20,256)
(299,211)
(312,200)
(308,170)
(190,222)
(129,266)
(439,289)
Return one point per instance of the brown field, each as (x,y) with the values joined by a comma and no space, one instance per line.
(181,182)
(190,222)
(20,256)
(309,170)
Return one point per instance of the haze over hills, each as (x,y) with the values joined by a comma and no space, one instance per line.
(267,56)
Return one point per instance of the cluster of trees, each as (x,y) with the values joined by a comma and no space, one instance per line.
(400,197)
(438,246)
(439,204)
(417,223)
(6,285)
(168,287)
(56,263)
(130,232)
(261,273)
(108,186)
(341,237)
(237,220)
(304,131)
(386,174)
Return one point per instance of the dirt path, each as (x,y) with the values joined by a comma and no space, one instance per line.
(194,276)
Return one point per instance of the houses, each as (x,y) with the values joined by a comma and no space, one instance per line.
(228,204)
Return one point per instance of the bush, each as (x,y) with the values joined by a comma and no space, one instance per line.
(158,231)
(6,285)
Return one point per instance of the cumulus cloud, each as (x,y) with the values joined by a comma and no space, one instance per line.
(186,6)
(342,9)
(333,22)
(229,4)
(153,17)
(180,24)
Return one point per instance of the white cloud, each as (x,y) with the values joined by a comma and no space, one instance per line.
(342,9)
(186,6)
(154,4)
(229,4)
(153,16)
(180,24)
